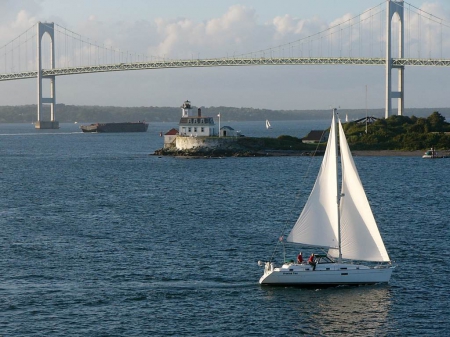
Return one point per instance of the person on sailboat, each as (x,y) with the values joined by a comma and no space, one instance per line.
(312,262)
(300,258)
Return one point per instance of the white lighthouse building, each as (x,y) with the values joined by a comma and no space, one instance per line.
(199,132)
(194,124)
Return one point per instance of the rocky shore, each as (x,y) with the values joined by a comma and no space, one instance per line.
(284,153)
(271,147)
(216,153)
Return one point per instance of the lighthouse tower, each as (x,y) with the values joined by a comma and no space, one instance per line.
(186,109)
(194,124)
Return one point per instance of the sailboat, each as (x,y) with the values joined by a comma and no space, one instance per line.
(268,126)
(341,223)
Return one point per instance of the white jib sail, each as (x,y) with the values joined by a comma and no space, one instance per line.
(360,237)
(317,224)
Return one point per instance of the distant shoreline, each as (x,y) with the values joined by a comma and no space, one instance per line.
(66,113)
(359,153)
(388,153)
(369,153)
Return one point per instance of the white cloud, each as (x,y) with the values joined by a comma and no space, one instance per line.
(238,19)
(15,20)
(182,38)
(10,8)
(343,19)
(286,24)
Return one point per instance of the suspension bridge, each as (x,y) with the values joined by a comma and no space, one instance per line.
(47,50)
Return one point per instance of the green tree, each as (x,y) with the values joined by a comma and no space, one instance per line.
(436,121)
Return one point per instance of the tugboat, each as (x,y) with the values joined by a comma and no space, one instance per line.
(115,127)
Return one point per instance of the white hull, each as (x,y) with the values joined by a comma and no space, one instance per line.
(331,274)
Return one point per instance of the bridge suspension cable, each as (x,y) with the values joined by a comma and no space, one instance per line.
(334,36)
(15,54)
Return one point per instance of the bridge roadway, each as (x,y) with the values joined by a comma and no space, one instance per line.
(192,63)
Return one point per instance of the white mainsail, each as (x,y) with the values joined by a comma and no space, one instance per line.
(318,222)
(268,126)
(360,237)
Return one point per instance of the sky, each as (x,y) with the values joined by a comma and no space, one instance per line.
(180,29)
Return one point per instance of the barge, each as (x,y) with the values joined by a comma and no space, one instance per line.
(115,127)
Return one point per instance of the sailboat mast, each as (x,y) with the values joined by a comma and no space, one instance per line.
(338,196)
(366,108)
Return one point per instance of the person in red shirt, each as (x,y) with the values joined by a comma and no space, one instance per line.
(300,258)
(312,262)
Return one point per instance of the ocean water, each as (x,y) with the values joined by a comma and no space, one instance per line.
(100,238)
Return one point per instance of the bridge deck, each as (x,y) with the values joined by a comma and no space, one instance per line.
(226,62)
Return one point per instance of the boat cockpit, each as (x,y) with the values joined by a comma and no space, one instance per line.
(322,258)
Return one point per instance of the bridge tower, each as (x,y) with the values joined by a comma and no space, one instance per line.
(394,8)
(43,28)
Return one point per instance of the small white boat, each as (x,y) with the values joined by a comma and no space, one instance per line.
(268,126)
(342,223)
(431,153)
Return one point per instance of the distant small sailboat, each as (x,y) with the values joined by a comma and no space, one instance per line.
(346,118)
(268,126)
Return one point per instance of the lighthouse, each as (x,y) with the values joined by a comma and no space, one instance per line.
(198,132)
(194,124)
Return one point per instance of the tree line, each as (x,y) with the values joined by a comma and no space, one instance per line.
(84,114)
(400,133)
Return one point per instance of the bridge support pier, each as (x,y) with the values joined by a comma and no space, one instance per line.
(43,28)
(394,8)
